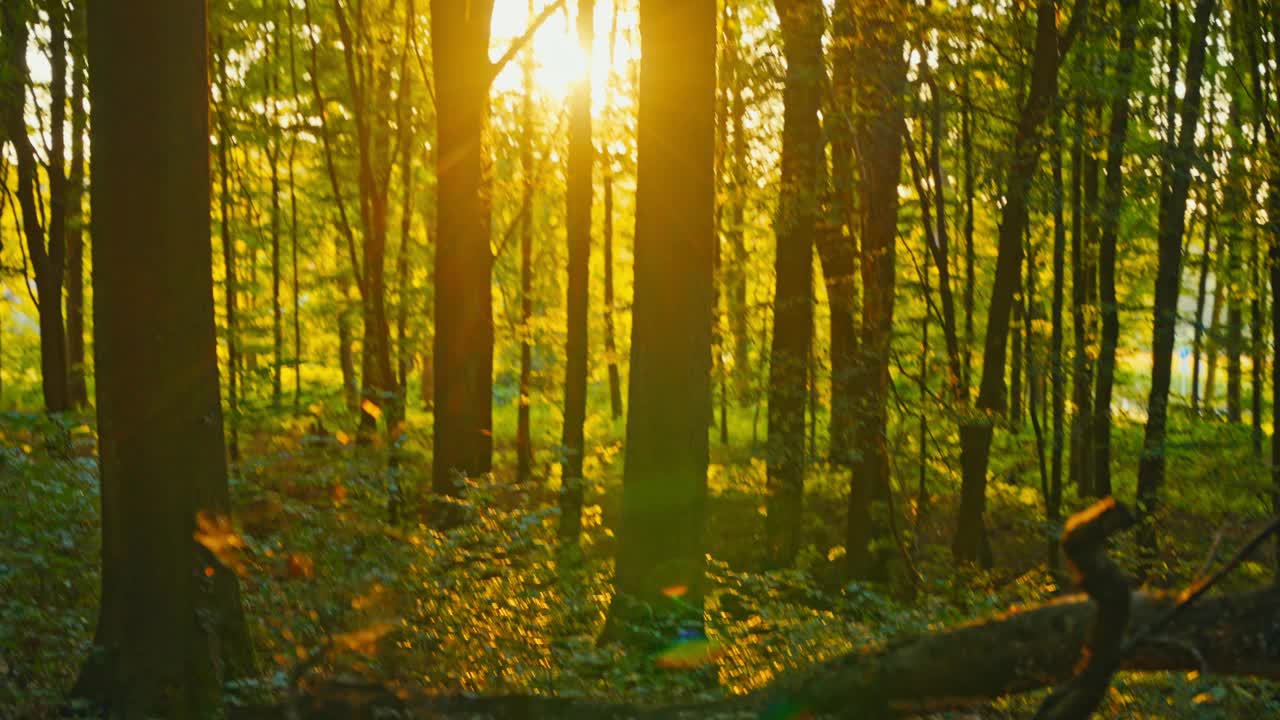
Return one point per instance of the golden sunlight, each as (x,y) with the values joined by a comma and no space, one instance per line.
(560,59)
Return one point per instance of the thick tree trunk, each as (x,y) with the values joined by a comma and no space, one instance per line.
(970,542)
(880,137)
(1172,220)
(660,557)
(578,222)
(1112,202)
(463,343)
(171,628)
(797,219)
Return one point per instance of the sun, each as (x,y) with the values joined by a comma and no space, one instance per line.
(559,58)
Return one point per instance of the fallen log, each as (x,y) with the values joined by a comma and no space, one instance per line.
(1022,650)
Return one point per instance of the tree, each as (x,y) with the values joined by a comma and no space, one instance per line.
(836,243)
(463,346)
(797,220)
(1112,203)
(664,485)
(76,225)
(878,132)
(976,433)
(1175,185)
(171,628)
(46,245)
(581,164)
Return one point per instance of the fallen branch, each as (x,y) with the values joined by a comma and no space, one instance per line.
(1025,649)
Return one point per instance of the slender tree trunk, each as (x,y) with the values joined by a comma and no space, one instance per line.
(1232,222)
(1172,219)
(524,443)
(77,386)
(660,556)
(48,254)
(1053,503)
(736,282)
(171,629)
(463,342)
(1211,355)
(578,222)
(837,245)
(293,222)
(1206,251)
(971,543)
(1082,284)
(230,288)
(274,142)
(970,259)
(880,137)
(610,345)
(1113,201)
(798,206)
(1015,356)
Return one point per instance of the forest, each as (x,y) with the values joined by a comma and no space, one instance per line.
(639,359)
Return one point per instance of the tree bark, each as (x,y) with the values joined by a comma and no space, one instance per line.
(171,628)
(664,485)
(1172,220)
(837,244)
(463,343)
(46,246)
(797,219)
(1112,202)
(524,443)
(77,387)
(971,542)
(578,222)
(880,136)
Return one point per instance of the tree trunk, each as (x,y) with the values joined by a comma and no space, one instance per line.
(1232,224)
(1206,251)
(230,289)
(48,256)
(1113,201)
(802,25)
(463,343)
(274,141)
(837,244)
(610,345)
(1053,503)
(524,443)
(77,387)
(971,542)
(171,628)
(736,280)
(1172,219)
(1083,275)
(578,222)
(660,556)
(880,137)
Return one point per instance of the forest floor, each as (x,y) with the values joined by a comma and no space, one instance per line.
(487,607)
